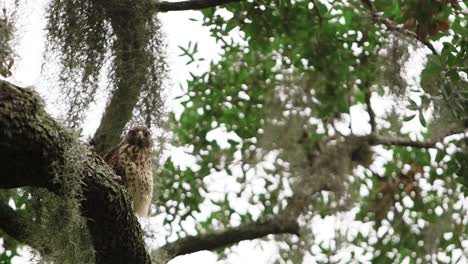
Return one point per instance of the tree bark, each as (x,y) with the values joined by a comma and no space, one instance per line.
(31,145)
(164,6)
(13,224)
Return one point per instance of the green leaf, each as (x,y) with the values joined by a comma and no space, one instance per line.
(440,155)
(422,120)
(433,69)
(413,106)
(408,118)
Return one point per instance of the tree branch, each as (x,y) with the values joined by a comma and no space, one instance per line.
(391,26)
(165,6)
(285,222)
(13,224)
(376,139)
(277,225)
(19,228)
(370,111)
(32,144)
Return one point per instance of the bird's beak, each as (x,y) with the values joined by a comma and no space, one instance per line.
(140,138)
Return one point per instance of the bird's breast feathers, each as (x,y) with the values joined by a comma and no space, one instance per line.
(133,164)
(137,164)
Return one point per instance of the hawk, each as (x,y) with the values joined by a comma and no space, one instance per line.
(131,160)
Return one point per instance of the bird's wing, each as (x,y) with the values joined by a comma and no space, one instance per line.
(113,159)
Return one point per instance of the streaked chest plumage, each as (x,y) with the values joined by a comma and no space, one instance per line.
(138,175)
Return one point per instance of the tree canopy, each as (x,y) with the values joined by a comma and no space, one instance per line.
(353,110)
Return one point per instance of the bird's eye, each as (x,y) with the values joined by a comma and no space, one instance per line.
(146,133)
(132,132)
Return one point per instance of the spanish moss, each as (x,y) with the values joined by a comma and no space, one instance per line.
(87,36)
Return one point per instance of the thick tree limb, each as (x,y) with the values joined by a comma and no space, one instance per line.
(165,6)
(18,228)
(285,222)
(13,224)
(32,144)
(278,225)
(391,26)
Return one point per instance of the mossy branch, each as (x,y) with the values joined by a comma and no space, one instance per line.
(14,225)
(33,144)
(165,6)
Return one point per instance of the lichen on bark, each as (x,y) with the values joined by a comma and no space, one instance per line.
(71,186)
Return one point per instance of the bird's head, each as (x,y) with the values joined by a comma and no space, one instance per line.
(139,136)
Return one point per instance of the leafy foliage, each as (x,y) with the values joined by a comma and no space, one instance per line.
(270,126)
(284,83)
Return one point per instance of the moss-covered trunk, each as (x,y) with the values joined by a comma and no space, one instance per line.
(32,147)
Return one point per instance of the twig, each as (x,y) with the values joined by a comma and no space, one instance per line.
(391,26)
(370,111)
(376,139)
(317,11)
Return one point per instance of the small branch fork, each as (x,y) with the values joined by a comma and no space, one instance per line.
(391,26)
(376,139)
